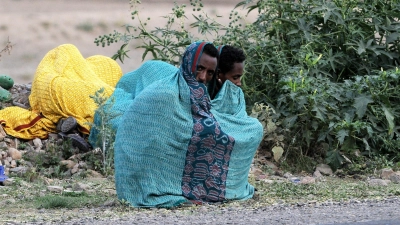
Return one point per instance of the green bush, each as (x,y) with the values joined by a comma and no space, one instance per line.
(328,69)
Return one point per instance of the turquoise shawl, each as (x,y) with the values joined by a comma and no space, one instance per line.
(173,144)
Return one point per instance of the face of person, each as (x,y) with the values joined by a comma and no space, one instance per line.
(234,75)
(206,68)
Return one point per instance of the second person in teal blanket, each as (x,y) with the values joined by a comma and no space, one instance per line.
(174,145)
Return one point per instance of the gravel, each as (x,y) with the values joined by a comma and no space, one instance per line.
(364,212)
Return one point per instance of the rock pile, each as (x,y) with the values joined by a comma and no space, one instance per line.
(19,157)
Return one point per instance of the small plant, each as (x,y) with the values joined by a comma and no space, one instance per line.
(104,130)
(164,43)
(65,200)
(7,48)
(22,146)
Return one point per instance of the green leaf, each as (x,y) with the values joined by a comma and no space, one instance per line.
(392,37)
(334,159)
(295,31)
(349,144)
(389,118)
(289,121)
(361,47)
(367,147)
(320,112)
(341,134)
(360,103)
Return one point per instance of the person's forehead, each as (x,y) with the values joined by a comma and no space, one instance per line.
(205,58)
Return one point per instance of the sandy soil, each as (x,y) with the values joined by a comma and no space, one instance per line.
(35,27)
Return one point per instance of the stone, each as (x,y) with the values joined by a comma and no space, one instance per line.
(324,169)
(75,169)
(67,174)
(55,189)
(317,174)
(94,174)
(110,191)
(268,181)
(3,145)
(2,133)
(37,143)
(18,170)
(7,171)
(26,163)
(378,182)
(81,187)
(287,175)
(256,172)
(386,173)
(69,164)
(14,154)
(271,165)
(395,177)
(13,164)
(261,177)
(111,203)
(82,165)
(6,163)
(47,181)
(307,180)
(53,136)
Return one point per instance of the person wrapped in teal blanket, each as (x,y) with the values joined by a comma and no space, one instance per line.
(176,146)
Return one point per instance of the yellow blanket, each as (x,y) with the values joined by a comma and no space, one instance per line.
(63,82)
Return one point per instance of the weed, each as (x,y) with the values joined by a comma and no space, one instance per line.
(329,190)
(105,133)
(69,200)
(22,145)
(7,48)
(54,201)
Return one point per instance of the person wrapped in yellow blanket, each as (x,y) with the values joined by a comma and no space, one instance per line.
(61,88)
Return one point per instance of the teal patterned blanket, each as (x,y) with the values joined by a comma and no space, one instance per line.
(173,145)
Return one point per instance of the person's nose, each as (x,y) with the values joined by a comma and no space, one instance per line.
(239,83)
(201,77)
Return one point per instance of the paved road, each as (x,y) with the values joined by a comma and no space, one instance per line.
(358,213)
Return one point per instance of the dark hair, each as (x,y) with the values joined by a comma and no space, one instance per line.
(210,50)
(229,56)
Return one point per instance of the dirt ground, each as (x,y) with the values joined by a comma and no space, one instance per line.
(35,27)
